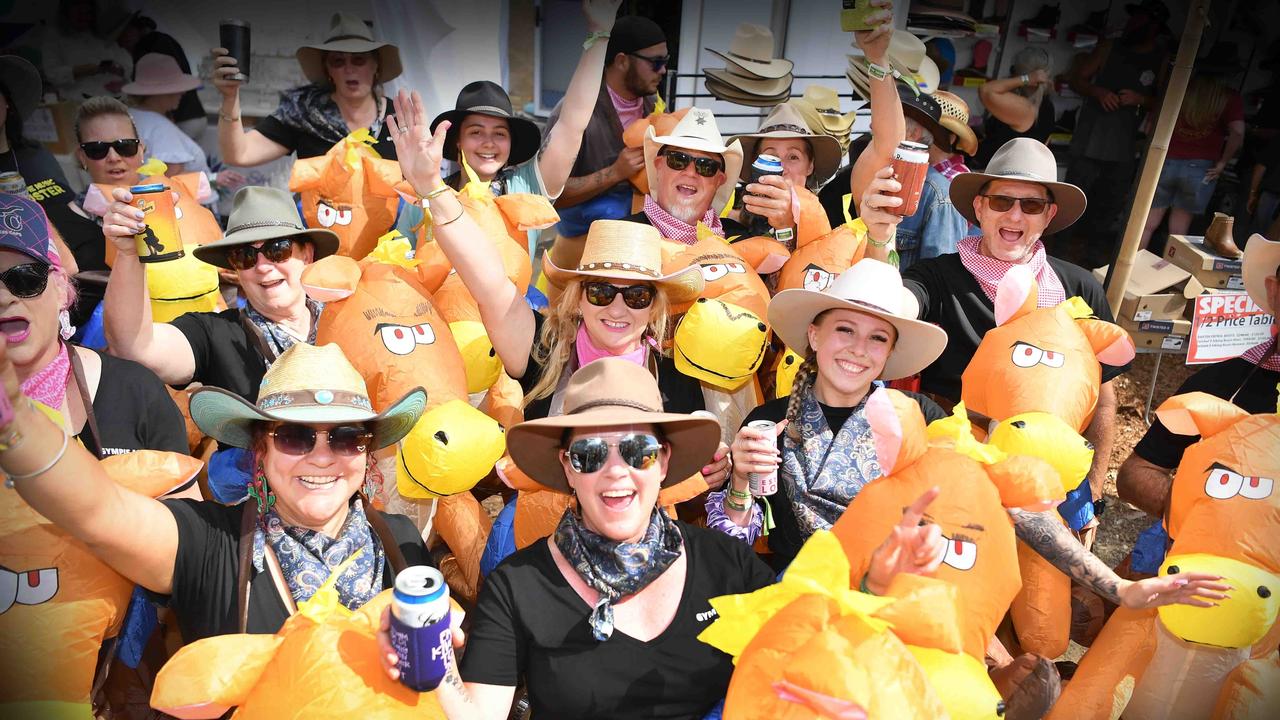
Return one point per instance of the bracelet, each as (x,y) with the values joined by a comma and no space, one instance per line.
(11,438)
(66,440)
(878,72)
(862,587)
(436,193)
(729,503)
(741,495)
(593,37)
(876,243)
(461,211)
(229,118)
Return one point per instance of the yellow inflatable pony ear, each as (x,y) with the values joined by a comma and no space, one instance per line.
(349,190)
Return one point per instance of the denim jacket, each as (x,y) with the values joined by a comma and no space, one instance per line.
(935,228)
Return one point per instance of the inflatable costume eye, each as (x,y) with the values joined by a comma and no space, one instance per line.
(423,334)
(1223,484)
(37,586)
(960,554)
(325,214)
(1026,356)
(713,272)
(399,339)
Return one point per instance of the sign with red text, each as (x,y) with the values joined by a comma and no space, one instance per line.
(1226,324)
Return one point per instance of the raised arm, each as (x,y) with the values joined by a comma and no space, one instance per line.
(238,146)
(507,318)
(1001,99)
(888,125)
(561,151)
(59,479)
(126,308)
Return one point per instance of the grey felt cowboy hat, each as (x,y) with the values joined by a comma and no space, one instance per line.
(349,34)
(1026,160)
(265,213)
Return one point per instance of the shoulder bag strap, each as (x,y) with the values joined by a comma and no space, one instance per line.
(248,521)
(255,336)
(389,544)
(78,368)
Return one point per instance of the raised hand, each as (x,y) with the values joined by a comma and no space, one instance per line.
(226,72)
(755,450)
(387,654)
(910,548)
(418,150)
(122,221)
(874,208)
(770,198)
(600,14)
(1187,588)
(875,42)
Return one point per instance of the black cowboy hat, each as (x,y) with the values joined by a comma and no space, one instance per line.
(486,98)
(924,109)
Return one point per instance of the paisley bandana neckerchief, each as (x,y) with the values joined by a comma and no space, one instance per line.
(616,569)
(276,334)
(307,557)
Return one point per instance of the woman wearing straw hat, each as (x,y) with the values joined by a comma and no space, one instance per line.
(613,602)
(156,90)
(346,73)
(241,568)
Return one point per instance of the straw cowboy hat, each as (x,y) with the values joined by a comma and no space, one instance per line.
(609,392)
(486,98)
(23,81)
(955,120)
(697,130)
(906,56)
(1261,258)
(786,122)
(265,213)
(349,34)
(1027,160)
(750,54)
(159,74)
(306,384)
(820,108)
(870,287)
(625,250)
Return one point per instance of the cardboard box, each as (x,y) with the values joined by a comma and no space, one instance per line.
(1163,335)
(1213,271)
(1157,289)
(53,124)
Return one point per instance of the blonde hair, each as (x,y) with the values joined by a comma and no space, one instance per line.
(1206,99)
(101,106)
(553,347)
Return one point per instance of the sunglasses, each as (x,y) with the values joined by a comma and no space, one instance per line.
(588,455)
(347,440)
(601,294)
(27,280)
(126,147)
(243,257)
(1004,203)
(704,166)
(657,63)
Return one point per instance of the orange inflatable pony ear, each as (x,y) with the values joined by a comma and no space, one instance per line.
(331,278)
(1198,413)
(765,254)
(349,190)
(1109,341)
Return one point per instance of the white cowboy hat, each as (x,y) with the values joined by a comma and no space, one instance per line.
(348,34)
(697,130)
(786,122)
(1028,160)
(1261,258)
(749,86)
(751,53)
(870,287)
(731,94)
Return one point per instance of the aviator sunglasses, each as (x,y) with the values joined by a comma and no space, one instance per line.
(1004,203)
(243,257)
(639,450)
(346,440)
(601,294)
(657,62)
(704,166)
(125,147)
(27,280)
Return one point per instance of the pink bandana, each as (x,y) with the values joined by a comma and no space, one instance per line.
(672,228)
(1258,356)
(628,111)
(988,271)
(589,353)
(48,385)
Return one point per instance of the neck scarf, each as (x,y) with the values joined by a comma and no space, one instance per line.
(1265,355)
(307,557)
(628,111)
(48,386)
(673,228)
(988,271)
(277,335)
(588,352)
(616,569)
(311,109)
(824,473)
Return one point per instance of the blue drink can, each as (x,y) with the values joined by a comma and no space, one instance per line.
(420,627)
(765,165)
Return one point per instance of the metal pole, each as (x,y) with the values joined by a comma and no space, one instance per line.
(1146,192)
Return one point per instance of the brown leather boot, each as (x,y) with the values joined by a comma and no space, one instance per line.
(1218,237)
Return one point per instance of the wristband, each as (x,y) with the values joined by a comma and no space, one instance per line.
(729,503)
(434,194)
(876,243)
(229,118)
(592,38)
(862,587)
(878,72)
(739,494)
(785,235)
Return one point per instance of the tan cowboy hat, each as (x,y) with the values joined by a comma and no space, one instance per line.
(906,55)
(786,122)
(748,86)
(608,392)
(1028,160)
(955,119)
(625,250)
(697,130)
(306,384)
(820,108)
(159,74)
(870,287)
(1261,258)
(265,213)
(348,34)
(750,53)
(23,81)
(731,94)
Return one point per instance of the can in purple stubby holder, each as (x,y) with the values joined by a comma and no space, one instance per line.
(763,484)
(420,631)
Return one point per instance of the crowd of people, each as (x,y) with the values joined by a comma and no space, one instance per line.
(599,615)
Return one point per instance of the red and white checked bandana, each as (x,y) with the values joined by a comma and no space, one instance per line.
(673,228)
(989,271)
(1258,355)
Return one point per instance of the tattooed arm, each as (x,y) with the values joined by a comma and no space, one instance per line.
(1046,534)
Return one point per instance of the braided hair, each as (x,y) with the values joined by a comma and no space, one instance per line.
(806,374)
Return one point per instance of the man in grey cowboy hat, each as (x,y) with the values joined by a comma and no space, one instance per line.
(267,246)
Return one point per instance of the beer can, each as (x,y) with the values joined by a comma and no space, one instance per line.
(159,240)
(910,166)
(420,627)
(12,183)
(765,165)
(763,484)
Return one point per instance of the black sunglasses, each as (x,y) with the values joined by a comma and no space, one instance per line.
(1004,203)
(243,257)
(601,294)
(639,450)
(704,166)
(27,280)
(347,440)
(657,63)
(125,147)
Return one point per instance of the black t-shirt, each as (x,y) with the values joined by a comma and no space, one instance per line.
(189,106)
(1256,394)
(786,538)
(998,133)
(950,297)
(306,144)
(226,357)
(206,584)
(134,412)
(530,623)
(46,183)
(680,393)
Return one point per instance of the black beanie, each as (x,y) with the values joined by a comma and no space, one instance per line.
(631,33)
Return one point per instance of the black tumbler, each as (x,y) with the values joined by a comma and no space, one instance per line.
(234,36)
